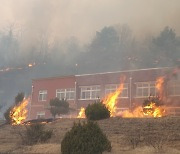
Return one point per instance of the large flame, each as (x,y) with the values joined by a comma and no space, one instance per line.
(81,113)
(18,114)
(110,100)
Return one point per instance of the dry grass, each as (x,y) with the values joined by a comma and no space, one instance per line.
(119,131)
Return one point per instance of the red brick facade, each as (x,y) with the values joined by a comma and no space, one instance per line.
(96,85)
(49,84)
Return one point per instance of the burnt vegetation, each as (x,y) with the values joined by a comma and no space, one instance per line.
(126,135)
(34,133)
(155,133)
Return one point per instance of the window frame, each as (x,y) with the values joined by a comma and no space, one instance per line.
(126,87)
(40,113)
(91,90)
(65,92)
(171,85)
(42,92)
(149,87)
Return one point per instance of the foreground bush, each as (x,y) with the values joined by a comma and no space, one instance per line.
(86,138)
(35,133)
(97,111)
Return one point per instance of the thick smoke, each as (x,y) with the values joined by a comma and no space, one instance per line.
(67,18)
(68,37)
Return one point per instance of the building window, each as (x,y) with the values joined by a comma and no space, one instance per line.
(40,115)
(113,87)
(145,89)
(68,93)
(174,88)
(90,92)
(42,95)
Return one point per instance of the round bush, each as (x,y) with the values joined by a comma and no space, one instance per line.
(86,138)
(97,111)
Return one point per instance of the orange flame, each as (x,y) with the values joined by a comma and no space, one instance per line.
(81,113)
(136,113)
(19,113)
(151,110)
(31,64)
(159,86)
(110,101)
(7,69)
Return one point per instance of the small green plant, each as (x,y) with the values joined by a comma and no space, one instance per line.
(86,138)
(35,133)
(97,111)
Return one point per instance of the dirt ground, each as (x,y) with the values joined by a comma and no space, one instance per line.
(160,135)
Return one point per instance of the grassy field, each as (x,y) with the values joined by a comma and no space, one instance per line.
(127,136)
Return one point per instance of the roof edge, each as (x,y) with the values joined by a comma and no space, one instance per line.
(146,69)
(55,77)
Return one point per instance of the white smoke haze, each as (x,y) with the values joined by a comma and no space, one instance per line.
(65,37)
(82,18)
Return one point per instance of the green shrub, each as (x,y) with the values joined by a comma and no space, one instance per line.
(86,138)
(35,133)
(97,111)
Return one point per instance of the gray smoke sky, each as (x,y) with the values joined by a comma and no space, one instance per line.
(82,18)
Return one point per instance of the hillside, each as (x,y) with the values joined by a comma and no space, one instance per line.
(161,131)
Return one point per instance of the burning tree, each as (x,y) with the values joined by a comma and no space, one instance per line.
(17,113)
(152,107)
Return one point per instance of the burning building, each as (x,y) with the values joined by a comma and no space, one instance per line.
(80,90)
